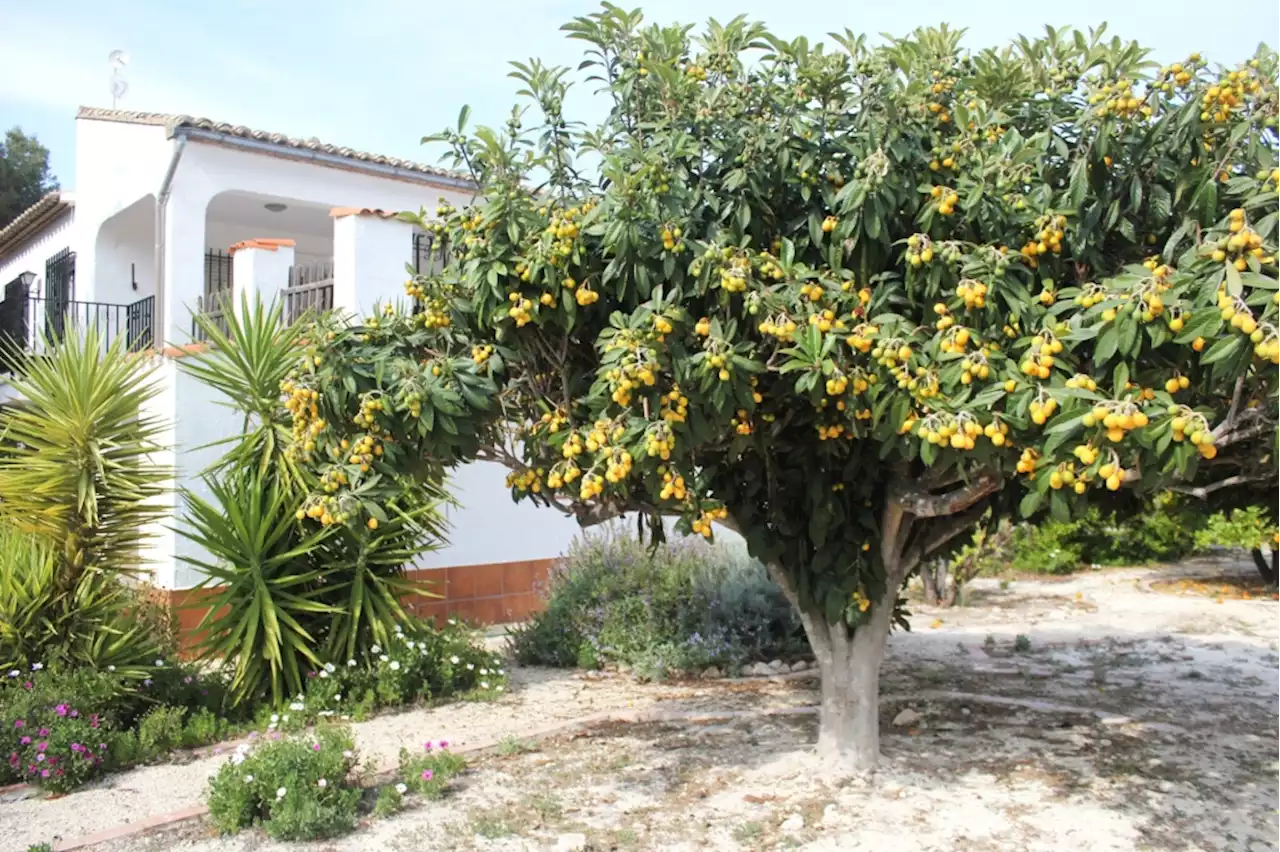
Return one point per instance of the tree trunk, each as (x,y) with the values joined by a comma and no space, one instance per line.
(849,715)
(1268,570)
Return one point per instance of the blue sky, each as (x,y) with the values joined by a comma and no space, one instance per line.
(380,74)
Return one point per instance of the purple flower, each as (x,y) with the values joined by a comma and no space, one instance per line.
(102,746)
(61,709)
(77,748)
(18,723)
(75,714)
(315,746)
(444,744)
(427,775)
(44,732)
(427,745)
(147,682)
(44,773)
(25,741)
(40,757)
(42,746)
(188,679)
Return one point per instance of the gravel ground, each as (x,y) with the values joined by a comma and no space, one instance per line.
(1125,720)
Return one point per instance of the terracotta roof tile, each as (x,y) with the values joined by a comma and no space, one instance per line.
(33,219)
(172,123)
(339,212)
(268,243)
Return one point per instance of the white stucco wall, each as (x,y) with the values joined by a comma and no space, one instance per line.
(124,252)
(117,165)
(309,248)
(32,255)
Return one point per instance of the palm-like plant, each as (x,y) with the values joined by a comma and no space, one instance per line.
(77,495)
(265,594)
(76,465)
(284,597)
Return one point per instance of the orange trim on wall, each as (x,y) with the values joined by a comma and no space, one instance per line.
(268,243)
(494,593)
(339,212)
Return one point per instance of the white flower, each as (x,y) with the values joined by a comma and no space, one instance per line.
(237,759)
(395,665)
(330,667)
(399,630)
(35,667)
(484,671)
(499,688)
(502,671)
(384,658)
(400,788)
(375,649)
(338,697)
(470,667)
(297,705)
(322,783)
(324,673)
(111,668)
(484,684)
(453,621)
(248,779)
(351,664)
(159,664)
(411,644)
(286,717)
(15,673)
(348,754)
(275,717)
(454,659)
(242,749)
(271,727)
(325,713)
(280,792)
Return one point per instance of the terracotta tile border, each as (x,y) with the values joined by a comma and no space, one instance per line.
(268,243)
(339,212)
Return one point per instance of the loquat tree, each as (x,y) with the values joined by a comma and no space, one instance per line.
(846,301)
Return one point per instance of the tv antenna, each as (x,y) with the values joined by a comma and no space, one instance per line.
(117,59)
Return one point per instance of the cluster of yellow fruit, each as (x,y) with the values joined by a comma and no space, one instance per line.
(741,422)
(1118,418)
(1064,475)
(1039,359)
(1091,294)
(702,327)
(781,327)
(675,406)
(301,403)
(329,511)
(861,601)
(1087,453)
(1176,383)
(1177,74)
(1048,239)
(592,486)
(826,320)
(660,442)
(945,197)
(362,452)
(720,364)
(954,341)
(1228,95)
(837,385)
(333,479)
(829,224)
(957,432)
(366,417)
(671,239)
(529,479)
(923,385)
(812,292)
(1042,409)
(973,367)
(480,354)
(563,474)
(1119,100)
(1082,382)
(919,250)
(1268,348)
(619,466)
(1028,460)
(1235,311)
(891,352)
(973,292)
(733,277)
(697,72)
(1242,241)
(1187,424)
(521,309)
(1113,475)
(586,296)
(702,524)
(551,421)
(863,337)
(672,487)
(830,433)
(945,320)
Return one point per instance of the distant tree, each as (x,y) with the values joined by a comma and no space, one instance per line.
(24,174)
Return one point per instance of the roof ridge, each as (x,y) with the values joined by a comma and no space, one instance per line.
(173,123)
(47,206)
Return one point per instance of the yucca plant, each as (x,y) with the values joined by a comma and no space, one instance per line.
(285,595)
(77,497)
(265,593)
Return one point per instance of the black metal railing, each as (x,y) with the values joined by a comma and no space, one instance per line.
(34,323)
(430,253)
(310,289)
(218,285)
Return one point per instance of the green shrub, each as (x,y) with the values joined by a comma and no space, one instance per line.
(429,771)
(297,788)
(390,800)
(1248,528)
(680,606)
(161,730)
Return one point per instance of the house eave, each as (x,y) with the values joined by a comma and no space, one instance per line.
(32,221)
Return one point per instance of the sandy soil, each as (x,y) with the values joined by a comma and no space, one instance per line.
(1090,713)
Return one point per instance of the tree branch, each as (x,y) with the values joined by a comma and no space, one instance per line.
(1235,437)
(1229,422)
(1203,492)
(937,534)
(922,504)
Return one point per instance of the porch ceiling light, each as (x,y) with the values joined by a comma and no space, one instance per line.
(276,206)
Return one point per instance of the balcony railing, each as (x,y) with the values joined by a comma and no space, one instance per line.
(310,289)
(33,323)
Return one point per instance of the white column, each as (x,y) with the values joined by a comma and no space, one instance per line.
(260,266)
(370,250)
(183,264)
(160,548)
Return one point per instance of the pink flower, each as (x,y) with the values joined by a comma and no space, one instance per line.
(40,758)
(25,741)
(61,709)
(444,744)
(44,773)
(41,746)
(315,746)
(44,732)
(427,745)
(18,723)
(427,775)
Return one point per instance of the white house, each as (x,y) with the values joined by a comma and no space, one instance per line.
(170,212)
